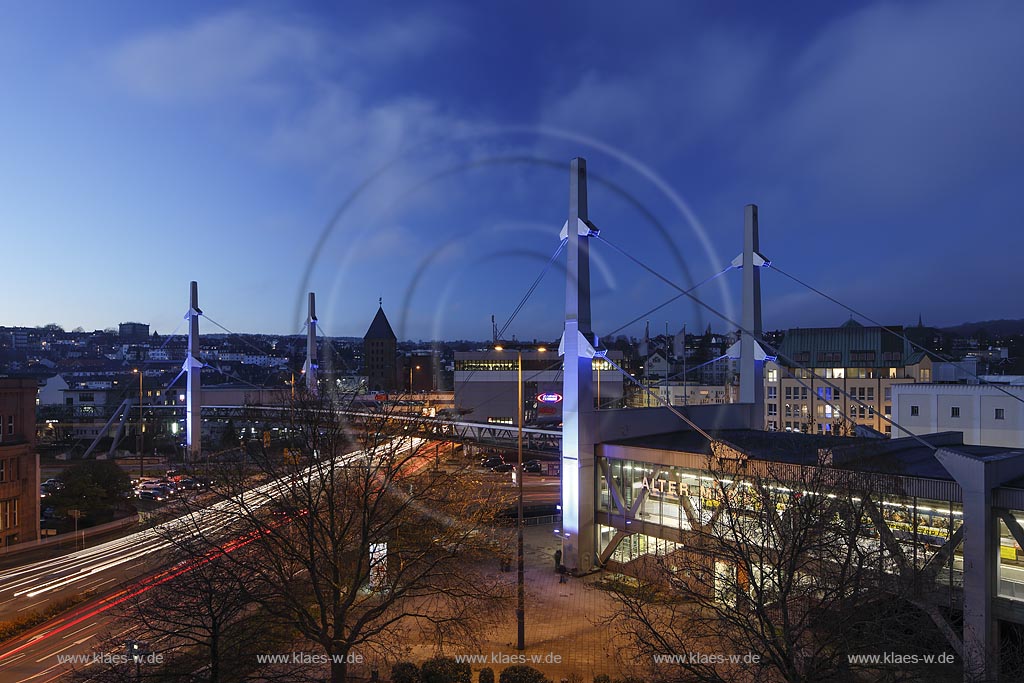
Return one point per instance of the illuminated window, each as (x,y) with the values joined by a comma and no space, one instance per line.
(485,365)
(773,375)
(8,514)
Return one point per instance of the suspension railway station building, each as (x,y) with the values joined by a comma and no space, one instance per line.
(951,515)
(636,482)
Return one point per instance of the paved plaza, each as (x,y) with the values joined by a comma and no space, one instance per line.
(565,629)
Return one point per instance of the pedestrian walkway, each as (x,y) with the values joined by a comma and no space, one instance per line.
(567,634)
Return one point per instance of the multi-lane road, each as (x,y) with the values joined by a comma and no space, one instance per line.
(113,572)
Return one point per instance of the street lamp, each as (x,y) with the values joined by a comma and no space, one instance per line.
(520,577)
(138,437)
(410,377)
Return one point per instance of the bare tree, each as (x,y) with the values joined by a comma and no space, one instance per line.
(355,538)
(782,574)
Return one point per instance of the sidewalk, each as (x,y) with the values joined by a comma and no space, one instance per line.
(564,621)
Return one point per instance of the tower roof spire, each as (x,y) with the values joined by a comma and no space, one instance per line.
(380,328)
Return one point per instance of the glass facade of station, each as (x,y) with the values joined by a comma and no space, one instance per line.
(1011,561)
(921,526)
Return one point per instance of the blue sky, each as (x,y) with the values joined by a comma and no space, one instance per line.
(420,154)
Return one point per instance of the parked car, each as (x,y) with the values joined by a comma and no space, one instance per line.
(492,461)
(534,466)
(503,467)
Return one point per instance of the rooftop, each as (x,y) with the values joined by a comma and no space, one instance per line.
(906,456)
(380,328)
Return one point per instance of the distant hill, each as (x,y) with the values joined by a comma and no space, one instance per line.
(995,328)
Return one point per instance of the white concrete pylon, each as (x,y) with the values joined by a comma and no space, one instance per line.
(751,368)
(311,366)
(578,428)
(193,369)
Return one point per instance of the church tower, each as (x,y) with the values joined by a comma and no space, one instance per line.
(380,354)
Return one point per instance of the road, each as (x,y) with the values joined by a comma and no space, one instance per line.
(113,569)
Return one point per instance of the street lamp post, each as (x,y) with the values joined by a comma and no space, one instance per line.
(520,574)
(138,437)
(410,376)
(520,578)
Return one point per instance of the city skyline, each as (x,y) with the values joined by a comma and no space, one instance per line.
(157,145)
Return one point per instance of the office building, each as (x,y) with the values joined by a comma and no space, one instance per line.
(19,462)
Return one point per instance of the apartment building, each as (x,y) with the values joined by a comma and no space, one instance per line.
(819,372)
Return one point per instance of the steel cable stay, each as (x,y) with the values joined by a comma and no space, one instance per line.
(894,332)
(236,334)
(533,287)
(761,341)
(529,293)
(667,302)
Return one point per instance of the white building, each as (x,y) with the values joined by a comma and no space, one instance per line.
(486,385)
(987,414)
